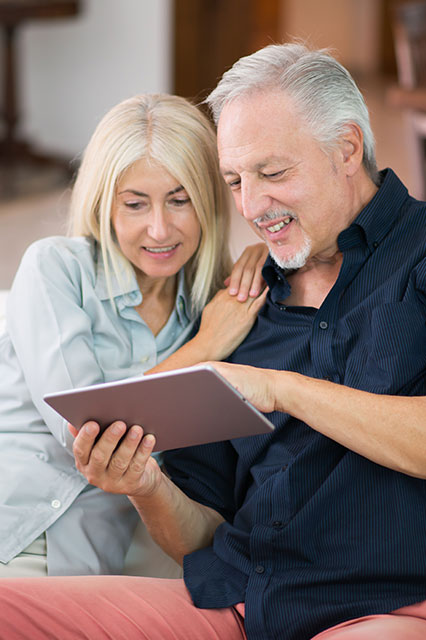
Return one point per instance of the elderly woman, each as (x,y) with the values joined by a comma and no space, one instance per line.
(121,296)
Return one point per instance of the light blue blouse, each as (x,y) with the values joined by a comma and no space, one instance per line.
(62,333)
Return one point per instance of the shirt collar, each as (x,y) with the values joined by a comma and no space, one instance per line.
(126,292)
(183,300)
(374,222)
(123,285)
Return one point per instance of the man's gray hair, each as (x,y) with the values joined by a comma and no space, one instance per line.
(323,90)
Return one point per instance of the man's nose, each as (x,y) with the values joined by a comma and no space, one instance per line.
(254,200)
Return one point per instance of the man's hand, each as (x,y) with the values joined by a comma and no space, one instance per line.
(256,385)
(118,462)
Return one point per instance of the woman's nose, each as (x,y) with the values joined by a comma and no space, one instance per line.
(159,228)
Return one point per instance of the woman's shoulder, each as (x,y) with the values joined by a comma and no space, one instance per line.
(60,244)
(60,249)
(50,257)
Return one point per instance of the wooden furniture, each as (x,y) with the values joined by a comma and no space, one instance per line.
(210,35)
(13,151)
(409,29)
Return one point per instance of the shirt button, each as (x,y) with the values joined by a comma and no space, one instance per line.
(277,524)
(323,324)
(375,245)
(260,569)
(55,504)
(145,359)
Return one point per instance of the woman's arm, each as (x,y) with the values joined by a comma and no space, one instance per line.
(389,430)
(51,332)
(228,317)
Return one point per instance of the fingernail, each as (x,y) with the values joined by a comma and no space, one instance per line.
(233,291)
(90,429)
(149,440)
(117,429)
(134,433)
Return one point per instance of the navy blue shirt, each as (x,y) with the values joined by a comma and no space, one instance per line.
(316,534)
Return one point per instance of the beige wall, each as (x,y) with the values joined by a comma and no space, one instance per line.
(349,26)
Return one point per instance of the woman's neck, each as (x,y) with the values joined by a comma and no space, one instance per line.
(158,300)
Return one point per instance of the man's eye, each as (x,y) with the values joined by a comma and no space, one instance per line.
(275,174)
(234,184)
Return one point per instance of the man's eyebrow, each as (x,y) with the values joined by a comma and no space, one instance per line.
(141,194)
(258,166)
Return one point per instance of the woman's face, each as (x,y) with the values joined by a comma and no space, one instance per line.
(154,221)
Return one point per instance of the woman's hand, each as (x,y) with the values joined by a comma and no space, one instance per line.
(118,462)
(226,319)
(225,322)
(246,277)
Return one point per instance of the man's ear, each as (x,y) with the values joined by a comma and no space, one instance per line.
(352,149)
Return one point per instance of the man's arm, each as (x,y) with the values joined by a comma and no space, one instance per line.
(177,523)
(389,430)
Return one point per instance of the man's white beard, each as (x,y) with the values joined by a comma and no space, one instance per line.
(293,262)
(300,258)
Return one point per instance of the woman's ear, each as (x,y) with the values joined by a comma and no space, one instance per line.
(352,149)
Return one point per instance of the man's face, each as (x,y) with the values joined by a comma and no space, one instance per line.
(283,183)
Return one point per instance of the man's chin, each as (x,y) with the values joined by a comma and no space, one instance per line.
(290,262)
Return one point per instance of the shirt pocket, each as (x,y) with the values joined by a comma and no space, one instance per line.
(396,361)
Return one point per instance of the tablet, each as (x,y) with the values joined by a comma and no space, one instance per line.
(183,407)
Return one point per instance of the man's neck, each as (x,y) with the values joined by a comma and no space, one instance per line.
(311,284)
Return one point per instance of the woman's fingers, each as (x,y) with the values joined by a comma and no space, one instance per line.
(258,302)
(122,456)
(116,461)
(83,443)
(246,277)
(141,456)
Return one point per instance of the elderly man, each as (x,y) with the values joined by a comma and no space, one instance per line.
(317,530)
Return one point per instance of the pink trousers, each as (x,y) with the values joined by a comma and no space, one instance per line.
(131,608)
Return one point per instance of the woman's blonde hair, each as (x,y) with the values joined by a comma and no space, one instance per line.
(178,136)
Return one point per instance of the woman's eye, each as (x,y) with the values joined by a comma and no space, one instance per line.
(180,202)
(134,206)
